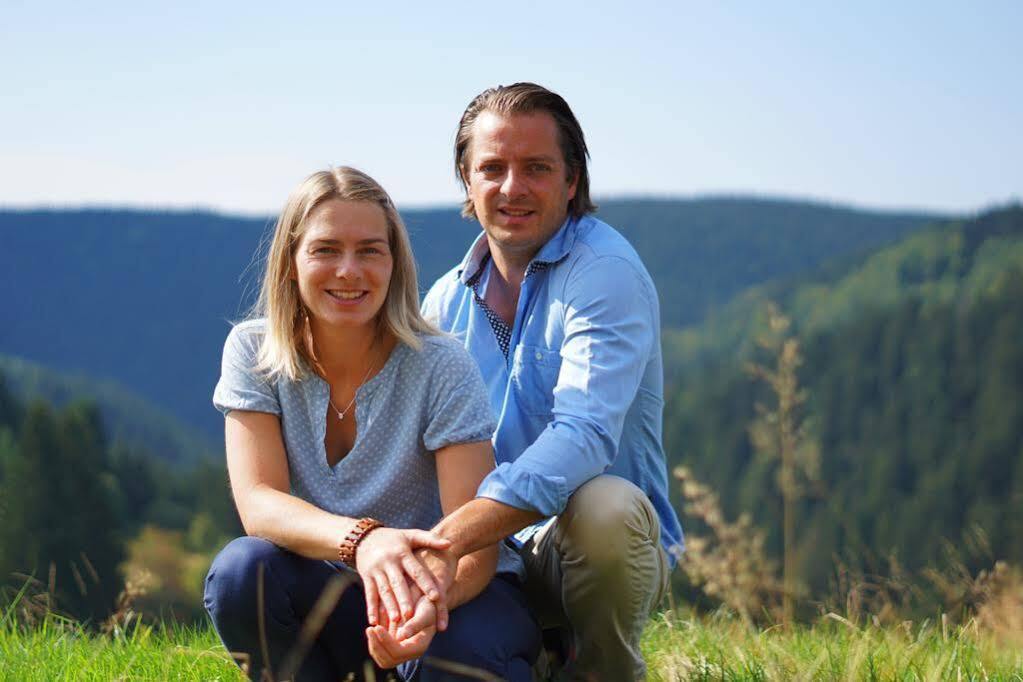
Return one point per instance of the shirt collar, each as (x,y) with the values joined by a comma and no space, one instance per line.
(556,248)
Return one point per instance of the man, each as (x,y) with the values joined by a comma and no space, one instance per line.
(563,319)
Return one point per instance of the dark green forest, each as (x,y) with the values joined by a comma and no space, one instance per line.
(71,503)
(914,378)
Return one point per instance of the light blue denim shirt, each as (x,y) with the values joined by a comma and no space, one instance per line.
(581,390)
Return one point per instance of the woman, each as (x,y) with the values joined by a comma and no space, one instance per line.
(350,422)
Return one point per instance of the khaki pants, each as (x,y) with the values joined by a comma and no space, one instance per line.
(600,570)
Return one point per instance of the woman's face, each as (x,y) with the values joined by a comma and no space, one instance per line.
(343,263)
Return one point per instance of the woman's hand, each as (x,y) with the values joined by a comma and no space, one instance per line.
(384,558)
(390,648)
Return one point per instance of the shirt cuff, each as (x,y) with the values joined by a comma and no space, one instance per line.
(514,487)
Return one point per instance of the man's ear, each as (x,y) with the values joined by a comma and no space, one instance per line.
(573,183)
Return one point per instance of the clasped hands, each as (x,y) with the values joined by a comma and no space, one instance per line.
(406,574)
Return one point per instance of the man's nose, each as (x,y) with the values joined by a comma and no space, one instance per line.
(514,184)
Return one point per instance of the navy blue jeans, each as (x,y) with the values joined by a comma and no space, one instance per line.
(494,632)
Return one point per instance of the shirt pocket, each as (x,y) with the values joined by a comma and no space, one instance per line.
(534,374)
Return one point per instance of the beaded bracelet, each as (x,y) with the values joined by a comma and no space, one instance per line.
(358,533)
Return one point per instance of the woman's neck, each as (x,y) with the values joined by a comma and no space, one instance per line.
(346,354)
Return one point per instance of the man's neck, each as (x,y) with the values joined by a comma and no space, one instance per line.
(505,282)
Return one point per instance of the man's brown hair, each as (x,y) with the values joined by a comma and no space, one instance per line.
(528,98)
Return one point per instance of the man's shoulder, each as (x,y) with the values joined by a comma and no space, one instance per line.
(598,243)
(446,291)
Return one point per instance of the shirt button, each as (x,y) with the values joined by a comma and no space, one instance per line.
(539,355)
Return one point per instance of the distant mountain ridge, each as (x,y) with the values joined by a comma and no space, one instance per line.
(146,298)
(129,420)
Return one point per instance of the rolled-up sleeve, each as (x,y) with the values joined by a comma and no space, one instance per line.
(459,411)
(241,385)
(610,322)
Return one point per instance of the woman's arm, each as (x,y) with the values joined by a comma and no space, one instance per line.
(460,470)
(258,469)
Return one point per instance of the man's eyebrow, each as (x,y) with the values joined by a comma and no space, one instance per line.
(486,158)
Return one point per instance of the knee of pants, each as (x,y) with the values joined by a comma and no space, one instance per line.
(606,521)
(233,578)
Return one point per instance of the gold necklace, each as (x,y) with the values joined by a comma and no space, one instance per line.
(341,413)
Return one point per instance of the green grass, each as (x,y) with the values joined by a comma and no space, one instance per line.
(59,651)
(710,648)
(719,648)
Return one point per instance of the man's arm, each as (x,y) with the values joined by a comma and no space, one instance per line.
(482,522)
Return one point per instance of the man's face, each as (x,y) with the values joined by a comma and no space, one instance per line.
(518,181)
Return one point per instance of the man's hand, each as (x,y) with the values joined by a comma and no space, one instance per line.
(384,558)
(442,565)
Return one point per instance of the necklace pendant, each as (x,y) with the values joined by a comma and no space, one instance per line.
(341,416)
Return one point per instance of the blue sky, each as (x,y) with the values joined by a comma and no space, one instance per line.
(228,105)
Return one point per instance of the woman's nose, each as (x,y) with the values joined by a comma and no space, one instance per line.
(347,266)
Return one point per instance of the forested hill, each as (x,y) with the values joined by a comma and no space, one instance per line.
(129,421)
(953,259)
(914,378)
(146,298)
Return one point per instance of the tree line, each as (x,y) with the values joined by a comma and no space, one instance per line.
(72,504)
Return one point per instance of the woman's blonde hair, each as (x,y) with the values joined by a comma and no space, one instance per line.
(282,351)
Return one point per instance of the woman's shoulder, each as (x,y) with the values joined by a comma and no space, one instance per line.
(441,354)
(442,346)
(244,340)
(254,327)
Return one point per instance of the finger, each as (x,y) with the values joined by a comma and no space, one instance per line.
(421,575)
(400,652)
(385,621)
(425,538)
(387,597)
(424,617)
(372,600)
(399,588)
(377,649)
(442,616)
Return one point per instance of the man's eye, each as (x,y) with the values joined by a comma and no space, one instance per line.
(490,168)
(540,167)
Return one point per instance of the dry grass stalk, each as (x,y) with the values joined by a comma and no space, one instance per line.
(1000,610)
(731,565)
(137,584)
(884,597)
(782,432)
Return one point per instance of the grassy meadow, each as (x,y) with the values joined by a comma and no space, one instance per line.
(676,647)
